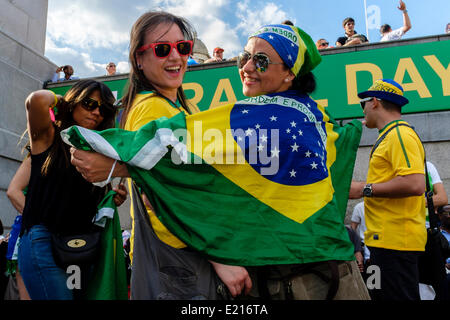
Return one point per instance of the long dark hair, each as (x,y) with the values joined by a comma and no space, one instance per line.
(137,81)
(304,84)
(59,152)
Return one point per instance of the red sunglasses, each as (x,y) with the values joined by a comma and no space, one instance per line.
(163,49)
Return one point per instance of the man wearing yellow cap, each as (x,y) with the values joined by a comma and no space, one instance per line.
(393,193)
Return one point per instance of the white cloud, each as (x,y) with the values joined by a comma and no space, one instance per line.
(206,17)
(82,62)
(251,18)
(77,24)
(123,67)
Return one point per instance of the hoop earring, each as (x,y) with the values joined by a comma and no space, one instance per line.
(139,67)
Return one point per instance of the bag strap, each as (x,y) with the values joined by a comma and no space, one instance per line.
(377,143)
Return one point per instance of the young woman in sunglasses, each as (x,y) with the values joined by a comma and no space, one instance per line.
(277,61)
(59,200)
(160,45)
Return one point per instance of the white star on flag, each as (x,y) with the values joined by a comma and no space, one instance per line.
(295,147)
(273,118)
(293,124)
(314,165)
(288,130)
(260,148)
(308,154)
(300,132)
(271,37)
(258,126)
(248,132)
(245,111)
(263,138)
(293,173)
(289,57)
(294,137)
(275,153)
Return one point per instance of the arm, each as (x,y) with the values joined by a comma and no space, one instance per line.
(18,183)
(95,167)
(398,187)
(354,225)
(353,42)
(40,127)
(55,77)
(440,197)
(406,20)
(234,277)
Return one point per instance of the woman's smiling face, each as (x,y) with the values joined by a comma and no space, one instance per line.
(276,78)
(165,74)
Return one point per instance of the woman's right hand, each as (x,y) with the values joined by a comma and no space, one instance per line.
(236,278)
(95,167)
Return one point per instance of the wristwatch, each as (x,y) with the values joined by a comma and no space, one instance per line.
(367,191)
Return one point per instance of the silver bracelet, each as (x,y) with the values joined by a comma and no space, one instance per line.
(405,11)
(111,172)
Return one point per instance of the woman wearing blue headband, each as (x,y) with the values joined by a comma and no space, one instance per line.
(277,62)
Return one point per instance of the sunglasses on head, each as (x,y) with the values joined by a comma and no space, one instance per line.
(362,102)
(260,60)
(163,49)
(90,104)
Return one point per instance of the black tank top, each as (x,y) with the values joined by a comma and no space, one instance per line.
(62,200)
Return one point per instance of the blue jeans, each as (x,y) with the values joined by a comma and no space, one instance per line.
(43,279)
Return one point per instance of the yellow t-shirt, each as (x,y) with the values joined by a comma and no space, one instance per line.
(147,107)
(396,223)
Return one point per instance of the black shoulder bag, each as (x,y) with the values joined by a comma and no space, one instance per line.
(77,249)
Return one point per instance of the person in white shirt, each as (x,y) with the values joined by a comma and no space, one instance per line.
(440,197)
(387,34)
(358,224)
(68,74)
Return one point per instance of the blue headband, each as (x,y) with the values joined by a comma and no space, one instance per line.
(295,47)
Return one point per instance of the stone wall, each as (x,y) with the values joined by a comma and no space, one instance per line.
(23,69)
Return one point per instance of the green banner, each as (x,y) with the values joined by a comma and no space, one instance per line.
(421,68)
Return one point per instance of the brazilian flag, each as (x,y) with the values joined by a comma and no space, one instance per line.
(260,182)
(109,277)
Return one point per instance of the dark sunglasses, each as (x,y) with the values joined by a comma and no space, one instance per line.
(90,104)
(362,102)
(260,60)
(324,44)
(163,49)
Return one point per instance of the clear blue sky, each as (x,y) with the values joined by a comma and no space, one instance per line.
(89,33)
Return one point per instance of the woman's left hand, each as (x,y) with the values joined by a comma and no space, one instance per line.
(121,195)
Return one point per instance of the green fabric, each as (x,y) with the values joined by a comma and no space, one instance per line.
(215,216)
(109,280)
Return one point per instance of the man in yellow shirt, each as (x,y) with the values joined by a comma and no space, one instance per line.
(393,193)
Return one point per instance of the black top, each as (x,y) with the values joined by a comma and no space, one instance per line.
(343,39)
(62,200)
